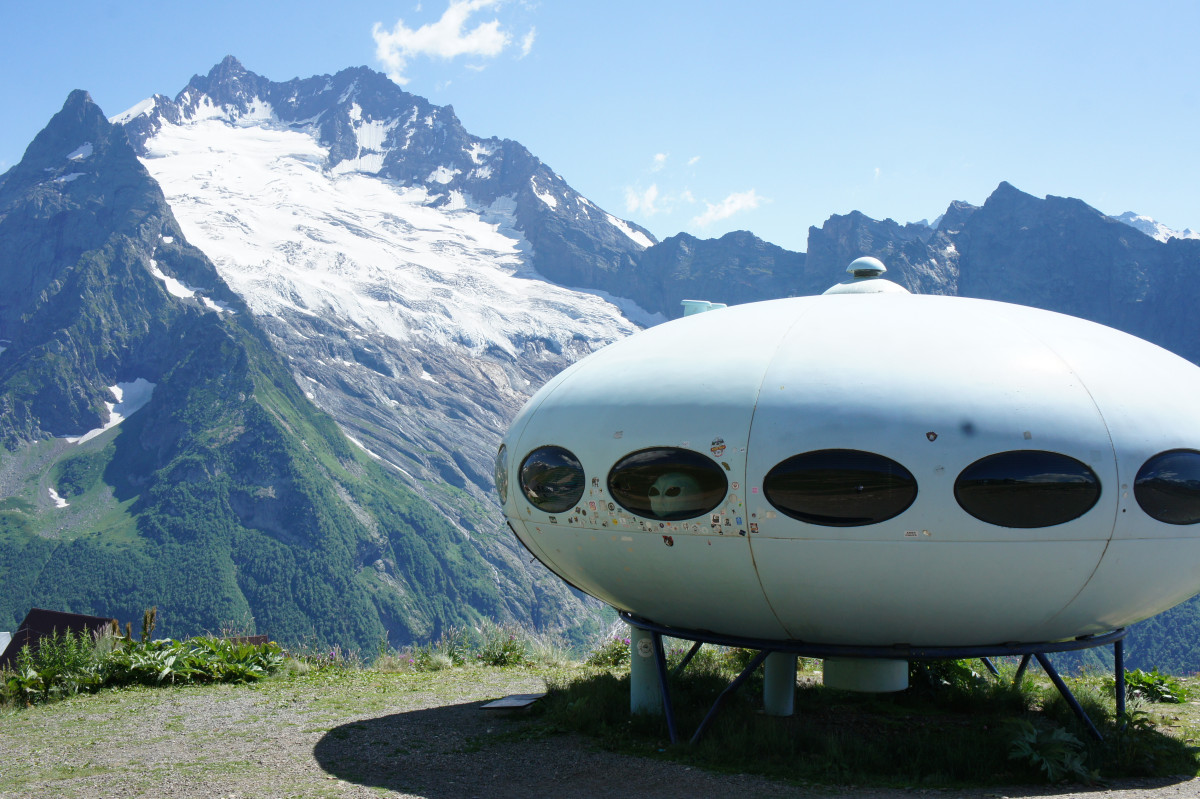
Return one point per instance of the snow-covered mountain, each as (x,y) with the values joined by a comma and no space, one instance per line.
(1154,229)
(420,282)
(157,451)
(392,256)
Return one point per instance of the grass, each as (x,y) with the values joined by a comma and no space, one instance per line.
(952,728)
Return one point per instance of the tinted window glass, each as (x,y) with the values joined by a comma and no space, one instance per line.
(552,479)
(1168,487)
(502,474)
(840,487)
(1027,488)
(667,483)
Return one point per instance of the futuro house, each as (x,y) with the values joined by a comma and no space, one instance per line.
(867,467)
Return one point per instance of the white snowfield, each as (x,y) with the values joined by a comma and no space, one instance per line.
(81,152)
(293,237)
(131,398)
(58,501)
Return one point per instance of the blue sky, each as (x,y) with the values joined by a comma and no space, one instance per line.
(699,116)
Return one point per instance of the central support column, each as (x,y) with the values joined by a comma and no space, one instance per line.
(872,675)
(645,694)
(779,684)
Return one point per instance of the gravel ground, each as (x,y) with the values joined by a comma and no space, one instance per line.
(410,735)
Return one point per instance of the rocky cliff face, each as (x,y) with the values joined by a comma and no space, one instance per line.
(1055,253)
(1062,255)
(79,309)
(738,267)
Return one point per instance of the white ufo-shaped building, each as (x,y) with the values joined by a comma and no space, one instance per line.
(868,467)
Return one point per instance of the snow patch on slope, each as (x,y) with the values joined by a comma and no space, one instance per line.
(177,288)
(58,501)
(549,199)
(370,137)
(144,108)
(131,398)
(442,175)
(479,152)
(636,236)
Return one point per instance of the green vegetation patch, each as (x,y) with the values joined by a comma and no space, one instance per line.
(78,473)
(952,728)
(66,664)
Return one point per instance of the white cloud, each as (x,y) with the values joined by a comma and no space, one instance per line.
(686,196)
(733,204)
(692,161)
(660,160)
(446,38)
(645,202)
(527,42)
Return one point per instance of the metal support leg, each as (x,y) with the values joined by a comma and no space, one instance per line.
(1052,673)
(675,672)
(991,666)
(1119,679)
(660,661)
(733,686)
(1021,670)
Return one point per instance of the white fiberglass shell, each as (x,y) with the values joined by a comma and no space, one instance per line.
(934,384)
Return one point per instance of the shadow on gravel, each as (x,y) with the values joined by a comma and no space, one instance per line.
(462,751)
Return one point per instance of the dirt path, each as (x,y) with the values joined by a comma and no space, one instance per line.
(413,735)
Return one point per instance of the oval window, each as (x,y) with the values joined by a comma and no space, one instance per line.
(840,487)
(1168,487)
(552,479)
(1027,488)
(502,474)
(667,483)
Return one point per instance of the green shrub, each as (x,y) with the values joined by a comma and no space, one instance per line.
(612,652)
(502,645)
(936,674)
(1154,687)
(67,664)
(1054,752)
(59,652)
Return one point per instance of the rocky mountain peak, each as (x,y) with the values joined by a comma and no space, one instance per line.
(956,216)
(229,68)
(227,85)
(76,139)
(1007,194)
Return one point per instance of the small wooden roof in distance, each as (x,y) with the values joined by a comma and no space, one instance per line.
(39,623)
